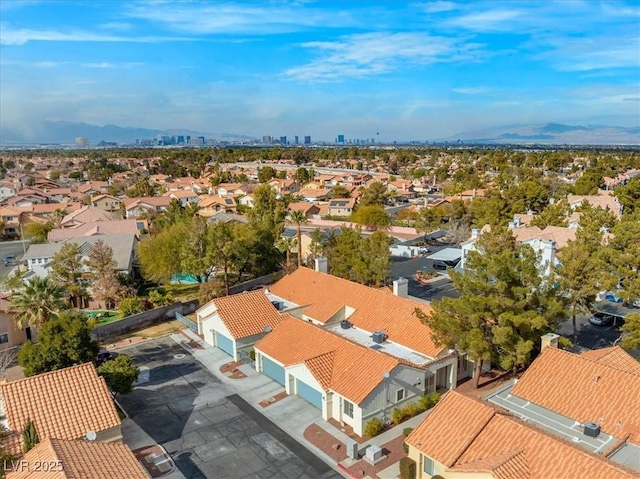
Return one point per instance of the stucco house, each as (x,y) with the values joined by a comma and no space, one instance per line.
(567,416)
(352,351)
(63,404)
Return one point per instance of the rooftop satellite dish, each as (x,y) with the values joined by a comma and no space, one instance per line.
(267,329)
(385,375)
(91,436)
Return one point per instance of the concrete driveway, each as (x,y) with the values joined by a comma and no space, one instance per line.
(209,431)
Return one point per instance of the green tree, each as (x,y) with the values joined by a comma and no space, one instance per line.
(303,176)
(67,269)
(285,245)
(5,456)
(588,183)
(223,249)
(30,437)
(623,255)
(316,246)
(374,194)
(266,173)
(194,249)
(142,188)
(37,232)
(119,374)
(629,195)
(101,266)
(504,305)
(62,342)
(373,264)
(342,252)
(131,306)
(371,216)
(159,256)
(298,218)
(553,215)
(339,191)
(37,302)
(630,338)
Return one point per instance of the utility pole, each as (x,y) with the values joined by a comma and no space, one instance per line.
(24,247)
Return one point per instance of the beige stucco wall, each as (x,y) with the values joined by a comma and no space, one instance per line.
(16,335)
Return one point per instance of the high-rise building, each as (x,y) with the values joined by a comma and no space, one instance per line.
(340,139)
(295,140)
(266,139)
(82,141)
(283,140)
(307,140)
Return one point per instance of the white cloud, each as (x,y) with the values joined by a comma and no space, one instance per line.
(230,18)
(25,35)
(479,90)
(487,21)
(367,54)
(438,6)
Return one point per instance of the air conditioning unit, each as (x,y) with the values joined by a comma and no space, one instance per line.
(591,429)
(344,324)
(378,337)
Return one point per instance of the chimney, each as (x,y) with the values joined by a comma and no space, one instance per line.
(475,233)
(549,340)
(401,287)
(321,265)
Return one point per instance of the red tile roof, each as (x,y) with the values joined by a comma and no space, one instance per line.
(325,295)
(247,314)
(63,404)
(467,435)
(80,460)
(349,369)
(616,357)
(584,390)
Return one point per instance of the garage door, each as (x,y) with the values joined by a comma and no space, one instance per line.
(307,392)
(224,343)
(273,370)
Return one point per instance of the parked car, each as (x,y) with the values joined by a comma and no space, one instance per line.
(9,260)
(103,356)
(601,319)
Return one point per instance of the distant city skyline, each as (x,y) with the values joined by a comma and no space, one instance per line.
(408,70)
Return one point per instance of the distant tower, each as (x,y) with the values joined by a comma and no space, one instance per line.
(295,140)
(82,142)
(283,140)
(307,140)
(340,139)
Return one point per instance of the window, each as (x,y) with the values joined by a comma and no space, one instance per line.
(4,338)
(429,385)
(427,465)
(347,407)
(462,364)
(399,394)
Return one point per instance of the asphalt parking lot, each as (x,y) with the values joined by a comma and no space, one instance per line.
(209,431)
(407,267)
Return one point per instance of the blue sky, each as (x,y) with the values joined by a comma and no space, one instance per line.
(408,70)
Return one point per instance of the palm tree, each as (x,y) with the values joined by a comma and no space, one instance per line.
(38,301)
(285,245)
(298,218)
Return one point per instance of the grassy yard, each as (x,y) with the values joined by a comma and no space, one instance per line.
(99,318)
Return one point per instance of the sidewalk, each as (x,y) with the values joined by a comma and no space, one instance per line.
(292,413)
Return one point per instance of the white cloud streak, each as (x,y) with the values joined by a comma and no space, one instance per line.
(362,55)
(229,18)
(25,35)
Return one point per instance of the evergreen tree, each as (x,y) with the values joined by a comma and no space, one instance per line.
(29,436)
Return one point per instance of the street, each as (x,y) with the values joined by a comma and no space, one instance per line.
(9,248)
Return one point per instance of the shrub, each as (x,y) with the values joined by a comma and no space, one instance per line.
(373,427)
(398,415)
(406,431)
(129,306)
(407,468)
(159,299)
(252,354)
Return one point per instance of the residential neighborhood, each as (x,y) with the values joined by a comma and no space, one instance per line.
(373,312)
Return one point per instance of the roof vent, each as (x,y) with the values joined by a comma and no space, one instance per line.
(344,324)
(378,337)
(591,429)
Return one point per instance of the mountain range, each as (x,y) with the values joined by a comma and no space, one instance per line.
(551,134)
(65,132)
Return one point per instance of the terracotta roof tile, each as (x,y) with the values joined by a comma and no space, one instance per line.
(114,227)
(246,314)
(509,465)
(355,370)
(616,357)
(63,404)
(81,460)
(468,435)
(452,425)
(325,295)
(584,390)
